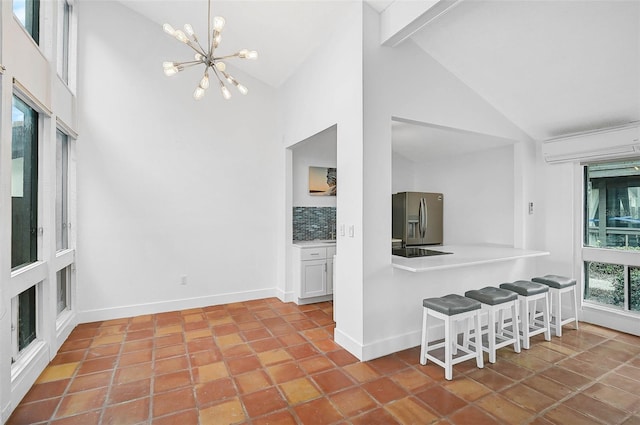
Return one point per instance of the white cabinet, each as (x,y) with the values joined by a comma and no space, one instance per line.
(313,274)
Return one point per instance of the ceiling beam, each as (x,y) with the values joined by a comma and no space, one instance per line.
(403,18)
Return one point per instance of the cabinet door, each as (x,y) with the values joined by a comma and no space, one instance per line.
(330,275)
(314,278)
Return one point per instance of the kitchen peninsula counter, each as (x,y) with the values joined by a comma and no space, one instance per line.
(462,256)
(317,243)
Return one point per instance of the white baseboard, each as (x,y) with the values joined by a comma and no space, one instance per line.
(5,412)
(172,305)
(285,297)
(348,343)
(385,346)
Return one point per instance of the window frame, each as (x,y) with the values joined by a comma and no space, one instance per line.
(35,242)
(31,7)
(609,255)
(62,220)
(64,32)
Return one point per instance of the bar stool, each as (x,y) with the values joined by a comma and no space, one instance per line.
(531,292)
(452,309)
(497,300)
(559,285)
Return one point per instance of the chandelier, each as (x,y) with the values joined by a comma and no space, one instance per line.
(207,56)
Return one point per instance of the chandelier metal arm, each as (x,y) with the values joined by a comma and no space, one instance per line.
(206,56)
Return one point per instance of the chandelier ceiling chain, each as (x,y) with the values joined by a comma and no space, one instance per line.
(207,56)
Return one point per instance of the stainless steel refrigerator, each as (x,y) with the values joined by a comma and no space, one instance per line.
(417,218)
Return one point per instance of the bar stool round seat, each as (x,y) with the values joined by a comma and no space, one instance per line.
(559,285)
(528,294)
(497,300)
(452,309)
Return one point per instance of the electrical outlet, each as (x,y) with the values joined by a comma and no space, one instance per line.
(183,279)
(351,230)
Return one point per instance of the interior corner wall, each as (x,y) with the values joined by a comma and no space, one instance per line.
(327,90)
(403,174)
(170,190)
(555,209)
(478,193)
(404,82)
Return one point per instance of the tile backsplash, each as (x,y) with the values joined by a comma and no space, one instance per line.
(311,223)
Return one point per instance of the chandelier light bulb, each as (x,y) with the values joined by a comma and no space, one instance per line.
(204,83)
(188,29)
(166,65)
(242,54)
(171,71)
(181,36)
(218,23)
(198,93)
(225,92)
(252,54)
(221,66)
(242,89)
(168,29)
(198,57)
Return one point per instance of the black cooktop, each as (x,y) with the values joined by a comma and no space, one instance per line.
(416,252)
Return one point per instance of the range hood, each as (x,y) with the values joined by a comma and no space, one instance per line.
(609,143)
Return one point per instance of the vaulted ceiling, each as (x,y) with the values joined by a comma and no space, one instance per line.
(551,67)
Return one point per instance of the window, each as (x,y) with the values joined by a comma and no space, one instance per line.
(604,284)
(64,22)
(28,13)
(24,320)
(612,234)
(24,184)
(613,205)
(62,293)
(62,155)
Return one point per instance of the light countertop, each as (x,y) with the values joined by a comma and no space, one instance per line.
(318,243)
(461,256)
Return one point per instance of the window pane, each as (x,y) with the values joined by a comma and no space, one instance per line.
(62,278)
(28,13)
(26,317)
(61,191)
(612,205)
(634,288)
(604,284)
(24,184)
(64,20)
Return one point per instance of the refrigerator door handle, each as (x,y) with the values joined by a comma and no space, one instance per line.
(422,215)
(426,218)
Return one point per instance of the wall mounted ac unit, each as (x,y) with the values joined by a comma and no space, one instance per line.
(608,143)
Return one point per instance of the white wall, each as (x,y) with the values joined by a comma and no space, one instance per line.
(404,81)
(556,217)
(478,193)
(327,90)
(403,174)
(168,186)
(319,150)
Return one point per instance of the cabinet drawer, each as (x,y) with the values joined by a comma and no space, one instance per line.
(313,254)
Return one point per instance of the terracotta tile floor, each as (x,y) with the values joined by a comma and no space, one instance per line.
(267,362)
